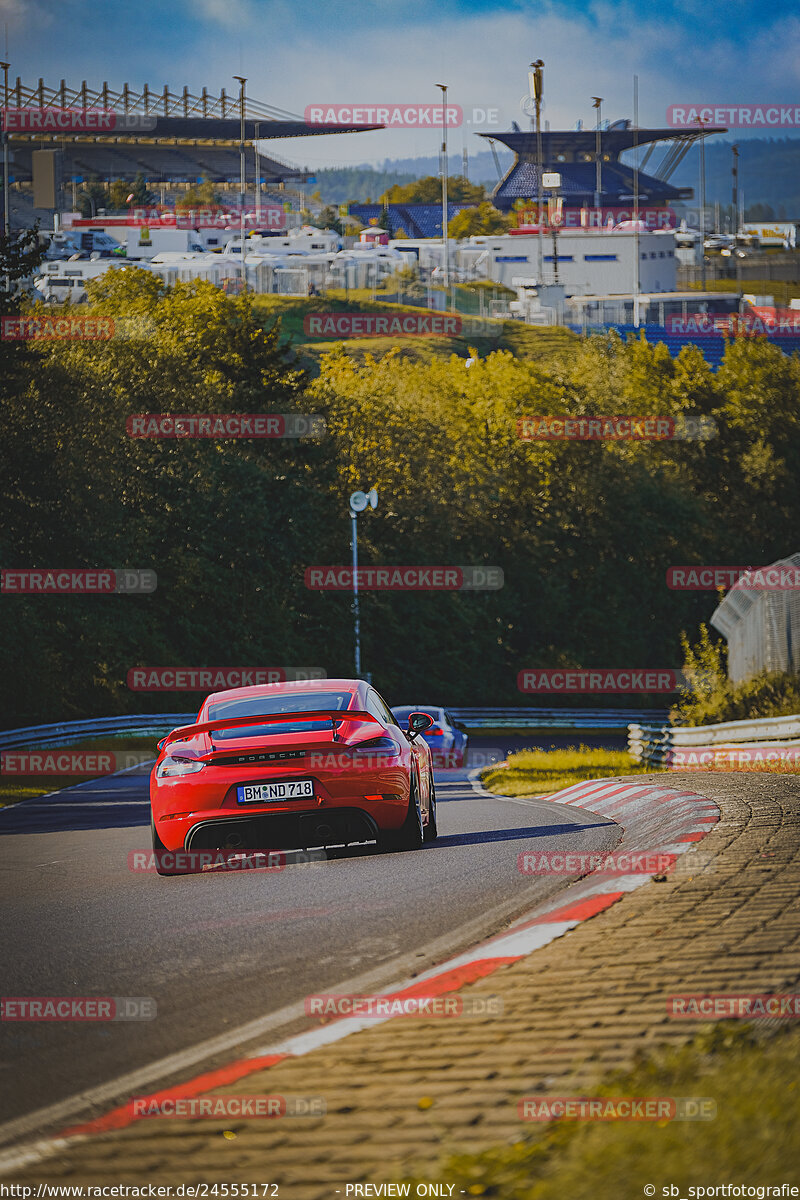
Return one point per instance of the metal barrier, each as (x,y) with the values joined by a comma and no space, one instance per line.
(476,719)
(605,719)
(670,745)
(146,725)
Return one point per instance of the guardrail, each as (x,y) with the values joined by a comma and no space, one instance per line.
(607,720)
(65,732)
(678,746)
(476,719)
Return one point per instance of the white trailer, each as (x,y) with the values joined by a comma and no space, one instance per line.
(145,242)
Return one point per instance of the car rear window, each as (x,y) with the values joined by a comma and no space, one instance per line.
(435,713)
(262,706)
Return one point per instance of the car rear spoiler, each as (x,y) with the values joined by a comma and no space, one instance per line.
(334,715)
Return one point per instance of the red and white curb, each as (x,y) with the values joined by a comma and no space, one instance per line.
(655,820)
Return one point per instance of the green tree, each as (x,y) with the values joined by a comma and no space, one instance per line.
(429,191)
(483,219)
(92,197)
(199,195)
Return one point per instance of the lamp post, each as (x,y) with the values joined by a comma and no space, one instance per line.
(536,79)
(636,251)
(598,170)
(242,81)
(701,123)
(735,190)
(358,502)
(443,89)
(6,219)
(258,179)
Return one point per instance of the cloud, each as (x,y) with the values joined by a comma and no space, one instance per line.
(231,14)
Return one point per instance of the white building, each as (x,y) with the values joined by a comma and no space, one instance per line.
(590,262)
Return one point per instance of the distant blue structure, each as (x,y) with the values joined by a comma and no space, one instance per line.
(711,347)
(415,220)
(572,153)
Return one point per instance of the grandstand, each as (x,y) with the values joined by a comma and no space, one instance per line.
(169,137)
(572,153)
(415,220)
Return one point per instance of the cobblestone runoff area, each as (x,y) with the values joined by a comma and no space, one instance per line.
(400,1095)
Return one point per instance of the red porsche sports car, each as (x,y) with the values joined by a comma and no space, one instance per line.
(290,765)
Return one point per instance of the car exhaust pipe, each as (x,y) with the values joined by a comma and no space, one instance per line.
(234,840)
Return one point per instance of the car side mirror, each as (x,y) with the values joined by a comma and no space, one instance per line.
(418,722)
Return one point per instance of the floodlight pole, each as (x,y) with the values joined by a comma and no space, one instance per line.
(242,81)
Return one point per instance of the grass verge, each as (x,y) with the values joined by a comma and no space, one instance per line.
(485,335)
(539,772)
(754,1139)
(124,752)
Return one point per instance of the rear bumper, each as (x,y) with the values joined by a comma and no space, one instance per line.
(184,806)
(303,829)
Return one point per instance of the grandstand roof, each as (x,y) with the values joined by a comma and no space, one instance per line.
(168,136)
(572,153)
(167,114)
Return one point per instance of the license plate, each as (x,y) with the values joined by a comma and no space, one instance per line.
(264,793)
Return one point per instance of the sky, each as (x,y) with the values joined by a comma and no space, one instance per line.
(302,52)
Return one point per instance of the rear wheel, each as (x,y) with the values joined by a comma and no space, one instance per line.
(431,829)
(410,835)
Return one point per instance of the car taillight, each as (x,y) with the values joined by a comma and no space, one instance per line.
(434,731)
(379,745)
(170,767)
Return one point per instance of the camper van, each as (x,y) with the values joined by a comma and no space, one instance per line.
(60,282)
(63,244)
